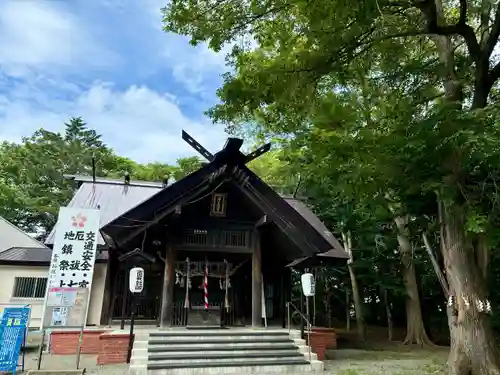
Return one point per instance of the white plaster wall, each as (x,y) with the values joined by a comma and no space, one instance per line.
(7,276)
(97,294)
(9,273)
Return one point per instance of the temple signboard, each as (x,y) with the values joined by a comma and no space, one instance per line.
(71,268)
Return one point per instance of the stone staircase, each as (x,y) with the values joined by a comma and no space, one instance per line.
(219,351)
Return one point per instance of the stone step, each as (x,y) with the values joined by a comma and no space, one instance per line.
(219,333)
(144,354)
(228,363)
(248,368)
(229,340)
(143,335)
(219,351)
(195,347)
(215,360)
(225,355)
(178,339)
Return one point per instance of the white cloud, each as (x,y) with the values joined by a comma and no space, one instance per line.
(196,65)
(43,35)
(137,122)
(55,57)
(197,68)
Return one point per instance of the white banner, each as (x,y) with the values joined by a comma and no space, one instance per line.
(71,268)
(74,251)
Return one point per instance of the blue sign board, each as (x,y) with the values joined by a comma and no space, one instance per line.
(13,327)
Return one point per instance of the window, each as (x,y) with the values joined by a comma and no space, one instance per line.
(233,238)
(196,237)
(29,287)
(218,205)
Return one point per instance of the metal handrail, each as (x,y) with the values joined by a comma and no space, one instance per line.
(288,304)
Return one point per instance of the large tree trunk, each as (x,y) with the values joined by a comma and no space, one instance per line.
(415,330)
(328,310)
(388,314)
(358,304)
(347,311)
(473,348)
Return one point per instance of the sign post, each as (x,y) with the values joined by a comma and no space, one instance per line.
(71,270)
(309,289)
(13,328)
(136,285)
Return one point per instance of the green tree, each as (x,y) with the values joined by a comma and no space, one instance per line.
(273,168)
(186,166)
(409,54)
(32,173)
(32,182)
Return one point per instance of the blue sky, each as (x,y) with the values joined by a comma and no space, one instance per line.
(109,62)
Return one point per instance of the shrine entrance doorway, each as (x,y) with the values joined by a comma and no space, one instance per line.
(225,300)
(148,301)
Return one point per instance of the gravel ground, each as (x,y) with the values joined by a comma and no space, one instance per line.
(344,362)
(64,362)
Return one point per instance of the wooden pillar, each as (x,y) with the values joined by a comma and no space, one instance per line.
(257,282)
(167,303)
(125,294)
(283,297)
(114,298)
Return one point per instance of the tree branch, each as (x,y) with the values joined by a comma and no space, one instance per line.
(435,265)
(428,8)
(494,74)
(492,39)
(485,20)
(462,20)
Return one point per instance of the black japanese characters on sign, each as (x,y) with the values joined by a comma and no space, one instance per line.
(85,266)
(88,252)
(53,267)
(75,236)
(140,280)
(74,284)
(73,260)
(67,249)
(63,265)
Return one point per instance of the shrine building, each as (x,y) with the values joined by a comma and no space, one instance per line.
(216,246)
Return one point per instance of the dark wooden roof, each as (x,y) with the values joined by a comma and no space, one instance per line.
(36,256)
(337,250)
(229,164)
(330,258)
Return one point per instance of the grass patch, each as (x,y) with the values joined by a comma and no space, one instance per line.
(427,370)
(391,354)
(366,362)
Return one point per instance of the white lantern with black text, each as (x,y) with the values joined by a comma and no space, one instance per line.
(136,280)
(308,284)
